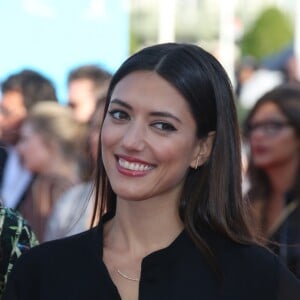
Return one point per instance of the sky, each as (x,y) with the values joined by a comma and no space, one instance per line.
(54,36)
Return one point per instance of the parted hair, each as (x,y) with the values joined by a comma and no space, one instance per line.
(211,196)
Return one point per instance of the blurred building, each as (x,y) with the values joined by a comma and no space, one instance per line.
(196,20)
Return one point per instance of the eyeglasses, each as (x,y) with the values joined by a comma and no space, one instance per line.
(269,128)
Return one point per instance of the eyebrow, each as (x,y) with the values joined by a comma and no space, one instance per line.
(154,113)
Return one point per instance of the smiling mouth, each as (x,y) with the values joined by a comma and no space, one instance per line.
(134,166)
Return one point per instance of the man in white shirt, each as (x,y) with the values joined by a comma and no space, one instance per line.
(20,91)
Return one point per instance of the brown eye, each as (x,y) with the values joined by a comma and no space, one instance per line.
(164,126)
(119,115)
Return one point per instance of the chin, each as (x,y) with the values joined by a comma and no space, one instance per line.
(261,163)
(130,196)
(133,196)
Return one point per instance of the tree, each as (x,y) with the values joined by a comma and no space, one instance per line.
(270,33)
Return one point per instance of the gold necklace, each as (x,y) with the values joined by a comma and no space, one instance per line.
(119,272)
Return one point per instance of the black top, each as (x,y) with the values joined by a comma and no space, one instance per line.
(287,237)
(72,269)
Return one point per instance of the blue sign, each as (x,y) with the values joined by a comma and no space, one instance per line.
(55,36)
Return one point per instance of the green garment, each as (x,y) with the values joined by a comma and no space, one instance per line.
(16,237)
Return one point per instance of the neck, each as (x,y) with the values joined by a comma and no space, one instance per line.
(141,227)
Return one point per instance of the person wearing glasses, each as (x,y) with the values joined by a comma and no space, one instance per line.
(273,133)
(173,223)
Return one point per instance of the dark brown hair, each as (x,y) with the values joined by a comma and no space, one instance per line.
(211,196)
(287,98)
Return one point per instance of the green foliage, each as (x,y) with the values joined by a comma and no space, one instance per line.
(271,32)
(134,43)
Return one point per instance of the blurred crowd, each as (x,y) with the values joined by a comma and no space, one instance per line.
(48,151)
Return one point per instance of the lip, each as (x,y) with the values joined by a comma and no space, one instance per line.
(259,150)
(142,167)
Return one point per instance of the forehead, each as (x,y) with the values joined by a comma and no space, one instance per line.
(12,99)
(149,89)
(80,86)
(268,110)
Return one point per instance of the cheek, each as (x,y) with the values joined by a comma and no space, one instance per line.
(11,123)
(39,150)
(38,162)
(110,135)
(174,153)
(24,149)
(290,146)
(107,141)
(285,142)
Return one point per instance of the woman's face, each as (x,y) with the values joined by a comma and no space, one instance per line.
(148,138)
(34,152)
(272,140)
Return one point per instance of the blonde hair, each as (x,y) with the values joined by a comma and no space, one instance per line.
(56,123)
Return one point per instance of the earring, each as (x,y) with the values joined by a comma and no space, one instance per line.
(197,162)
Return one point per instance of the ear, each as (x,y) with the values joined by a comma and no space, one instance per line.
(203,150)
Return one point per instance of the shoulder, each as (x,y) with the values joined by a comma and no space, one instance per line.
(255,266)
(78,242)
(56,263)
(64,251)
(253,256)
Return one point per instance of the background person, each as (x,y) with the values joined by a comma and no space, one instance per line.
(49,146)
(20,91)
(72,213)
(16,237)
(176,225)
(273,133)
(86,84)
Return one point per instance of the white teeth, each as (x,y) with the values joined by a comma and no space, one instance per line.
(133,166)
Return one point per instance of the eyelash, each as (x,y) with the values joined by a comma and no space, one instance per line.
(114,112)
(164,126)
(161,126)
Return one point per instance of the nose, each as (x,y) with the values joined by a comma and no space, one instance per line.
(257,133)
(134,137)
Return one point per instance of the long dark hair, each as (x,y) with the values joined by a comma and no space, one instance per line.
(211,195)
(287,99)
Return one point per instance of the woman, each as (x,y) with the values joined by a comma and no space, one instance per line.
(50,145)
(273,132)
(175,226)
(73,210)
